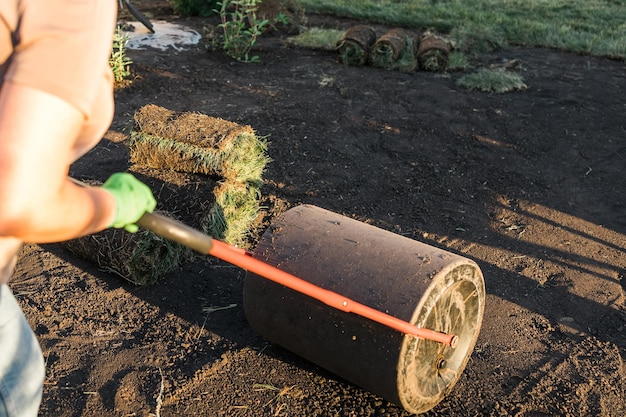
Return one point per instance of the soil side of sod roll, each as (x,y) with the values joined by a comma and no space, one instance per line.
(188,127)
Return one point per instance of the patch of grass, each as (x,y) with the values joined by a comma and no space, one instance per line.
(584,26)
(473,39)
(492,81)
(317,38)
(141,258)
(457,61)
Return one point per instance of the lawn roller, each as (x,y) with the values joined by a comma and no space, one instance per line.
(394,316)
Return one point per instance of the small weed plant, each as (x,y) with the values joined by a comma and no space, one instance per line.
(241,27)
(119,61)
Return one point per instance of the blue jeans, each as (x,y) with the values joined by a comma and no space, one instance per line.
(21,362)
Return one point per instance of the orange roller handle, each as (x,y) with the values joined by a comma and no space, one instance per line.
(202,243)
(243,260)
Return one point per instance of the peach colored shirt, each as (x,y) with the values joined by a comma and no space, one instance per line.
(61,47)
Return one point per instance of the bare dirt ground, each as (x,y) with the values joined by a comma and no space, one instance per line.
(531,185)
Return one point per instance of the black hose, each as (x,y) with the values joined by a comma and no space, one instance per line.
(144,20)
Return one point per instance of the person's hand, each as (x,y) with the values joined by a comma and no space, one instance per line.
(133,198)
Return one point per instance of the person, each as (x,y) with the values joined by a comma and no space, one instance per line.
(56,103)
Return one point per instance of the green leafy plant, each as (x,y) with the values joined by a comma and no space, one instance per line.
(119,61)
(241,27)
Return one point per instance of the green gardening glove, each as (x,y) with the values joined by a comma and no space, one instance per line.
(132,197)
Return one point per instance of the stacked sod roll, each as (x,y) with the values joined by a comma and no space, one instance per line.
(353,48)
(204,171)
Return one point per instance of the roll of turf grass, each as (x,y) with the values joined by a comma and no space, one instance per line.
(387,50)
(353,48)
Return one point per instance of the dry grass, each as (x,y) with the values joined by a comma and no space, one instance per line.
(141,258)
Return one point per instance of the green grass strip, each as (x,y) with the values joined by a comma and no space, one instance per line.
(594,27)
(317,38)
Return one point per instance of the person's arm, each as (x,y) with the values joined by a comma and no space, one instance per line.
(37,201)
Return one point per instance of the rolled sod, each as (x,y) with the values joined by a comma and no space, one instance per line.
(388,48)
(353,48)
(433,52)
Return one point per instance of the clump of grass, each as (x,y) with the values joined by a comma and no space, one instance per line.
(492,81)
(317,38)
(141,258)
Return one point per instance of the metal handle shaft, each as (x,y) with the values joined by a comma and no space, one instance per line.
(176,231)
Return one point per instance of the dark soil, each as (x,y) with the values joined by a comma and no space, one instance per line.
(531,185)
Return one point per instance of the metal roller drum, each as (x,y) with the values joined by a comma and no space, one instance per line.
(423,285)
